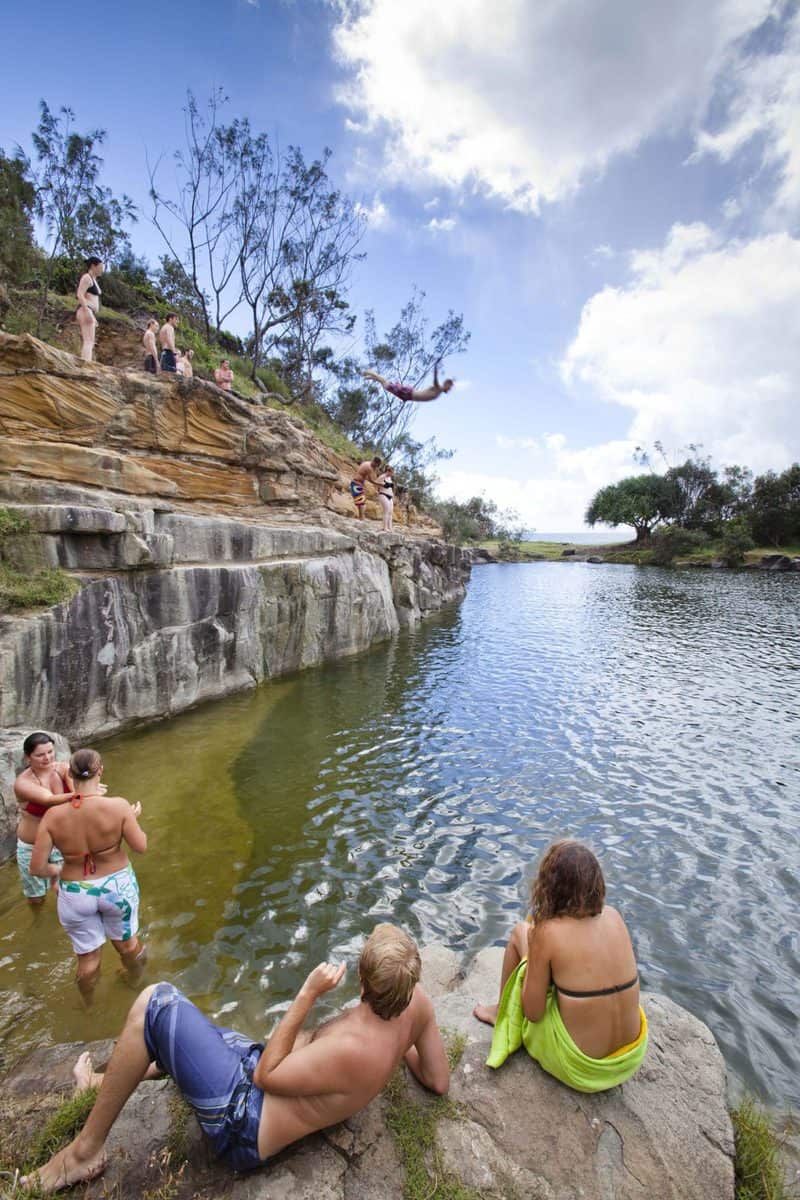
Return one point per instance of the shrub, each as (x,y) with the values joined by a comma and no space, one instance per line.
(757,1164)
(736,541)
(672,541)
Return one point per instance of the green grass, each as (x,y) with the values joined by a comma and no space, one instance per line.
(757,1161)
(413,1123)
(178,1136)
(40,589)
(27,589)
(624,552)
(66,1122)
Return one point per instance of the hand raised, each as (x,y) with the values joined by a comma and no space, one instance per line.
(102,789)
(323,978)
(137,808)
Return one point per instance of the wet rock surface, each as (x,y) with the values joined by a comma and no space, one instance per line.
(514,1133)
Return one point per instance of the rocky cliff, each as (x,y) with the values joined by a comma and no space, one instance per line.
(212,540)
(512,1134)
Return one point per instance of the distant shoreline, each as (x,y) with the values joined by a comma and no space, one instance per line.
(780,559)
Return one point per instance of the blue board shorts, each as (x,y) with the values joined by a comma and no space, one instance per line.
(213,1069)
(34,887)
(169,361)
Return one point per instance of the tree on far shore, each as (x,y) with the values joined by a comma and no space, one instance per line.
(643,501)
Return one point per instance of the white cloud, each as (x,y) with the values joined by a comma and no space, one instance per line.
(526,101)
(375,214)
(555,495)
(434,203)
(703,344)
(763,104)
(515,443)
(441,224)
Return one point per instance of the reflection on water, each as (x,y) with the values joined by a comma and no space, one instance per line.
(654,714)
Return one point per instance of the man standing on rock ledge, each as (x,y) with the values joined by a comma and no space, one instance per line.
(166,337)
(250,1100)
(366,471)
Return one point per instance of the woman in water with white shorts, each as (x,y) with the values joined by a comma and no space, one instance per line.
(98,895)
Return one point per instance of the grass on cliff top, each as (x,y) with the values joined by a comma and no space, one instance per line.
(759,1175)
(58,1131)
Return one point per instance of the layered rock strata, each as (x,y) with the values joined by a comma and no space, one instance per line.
(207,540)
(512,1134)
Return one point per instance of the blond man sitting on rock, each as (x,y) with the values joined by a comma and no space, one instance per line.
(252,1100)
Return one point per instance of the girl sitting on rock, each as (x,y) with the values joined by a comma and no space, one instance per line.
(569,988)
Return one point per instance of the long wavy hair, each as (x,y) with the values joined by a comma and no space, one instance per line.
(569,883)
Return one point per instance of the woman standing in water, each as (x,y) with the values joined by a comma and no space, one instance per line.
(88,294)
(98,895)
(43,783)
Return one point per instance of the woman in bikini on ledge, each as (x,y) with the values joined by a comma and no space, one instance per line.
(88,294)
(98,895)
(406,393)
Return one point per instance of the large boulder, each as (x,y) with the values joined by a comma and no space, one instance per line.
(511,1134)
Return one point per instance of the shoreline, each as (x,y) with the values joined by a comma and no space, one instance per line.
(779,559)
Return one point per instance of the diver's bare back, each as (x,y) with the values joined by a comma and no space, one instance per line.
(366,1050)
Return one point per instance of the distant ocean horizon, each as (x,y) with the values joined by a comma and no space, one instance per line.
(586,537)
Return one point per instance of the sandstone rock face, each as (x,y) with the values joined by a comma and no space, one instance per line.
(209,538)
(516,1135)
(65,420)
(11,763)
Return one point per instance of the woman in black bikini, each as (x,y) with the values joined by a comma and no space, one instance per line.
(98,895)
(579,950)
(386,497)
(88,294)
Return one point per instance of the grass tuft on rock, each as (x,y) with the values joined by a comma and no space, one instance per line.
(413,1124)
(757,1160)
(27,589)
(66,1122)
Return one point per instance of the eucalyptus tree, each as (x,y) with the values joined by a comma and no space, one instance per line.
(79,214)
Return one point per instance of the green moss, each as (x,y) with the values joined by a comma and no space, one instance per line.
(66,1122)
(757,1163)
(455,1044)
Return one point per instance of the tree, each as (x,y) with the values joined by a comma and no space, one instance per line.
(407,352)
(476,520)
(643,501)
(203,207)
(74,206)
(775,506)
(17,200)
(298,238)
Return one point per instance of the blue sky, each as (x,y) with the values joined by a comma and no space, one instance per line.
(608,192)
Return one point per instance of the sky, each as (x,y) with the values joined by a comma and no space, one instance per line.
(608,190)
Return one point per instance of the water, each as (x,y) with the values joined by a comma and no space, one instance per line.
(653,713)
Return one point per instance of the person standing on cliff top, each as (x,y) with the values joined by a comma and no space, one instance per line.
(224,376)
(406,393)
(151,363)
(88,294)
(251,1100)
(185,367)
(166,337)
(366,471)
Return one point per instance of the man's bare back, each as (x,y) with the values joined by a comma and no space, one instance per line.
(344,1064)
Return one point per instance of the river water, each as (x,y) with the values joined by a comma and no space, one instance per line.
(653,713)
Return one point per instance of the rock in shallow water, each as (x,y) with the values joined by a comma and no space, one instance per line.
(664,1135)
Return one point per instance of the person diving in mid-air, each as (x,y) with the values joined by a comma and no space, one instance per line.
(406,393)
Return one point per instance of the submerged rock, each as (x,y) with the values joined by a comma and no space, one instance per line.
(515,1133)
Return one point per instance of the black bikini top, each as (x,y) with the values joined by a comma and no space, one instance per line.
(609,991)
(94,290)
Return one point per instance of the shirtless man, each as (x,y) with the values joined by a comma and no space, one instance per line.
(224,376)
(151,363)
(367,471)
(166,337)
(404,392)
(252,1101)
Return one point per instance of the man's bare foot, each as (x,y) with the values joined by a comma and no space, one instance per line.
(65,1169)
(84,1073)
(486,1013)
